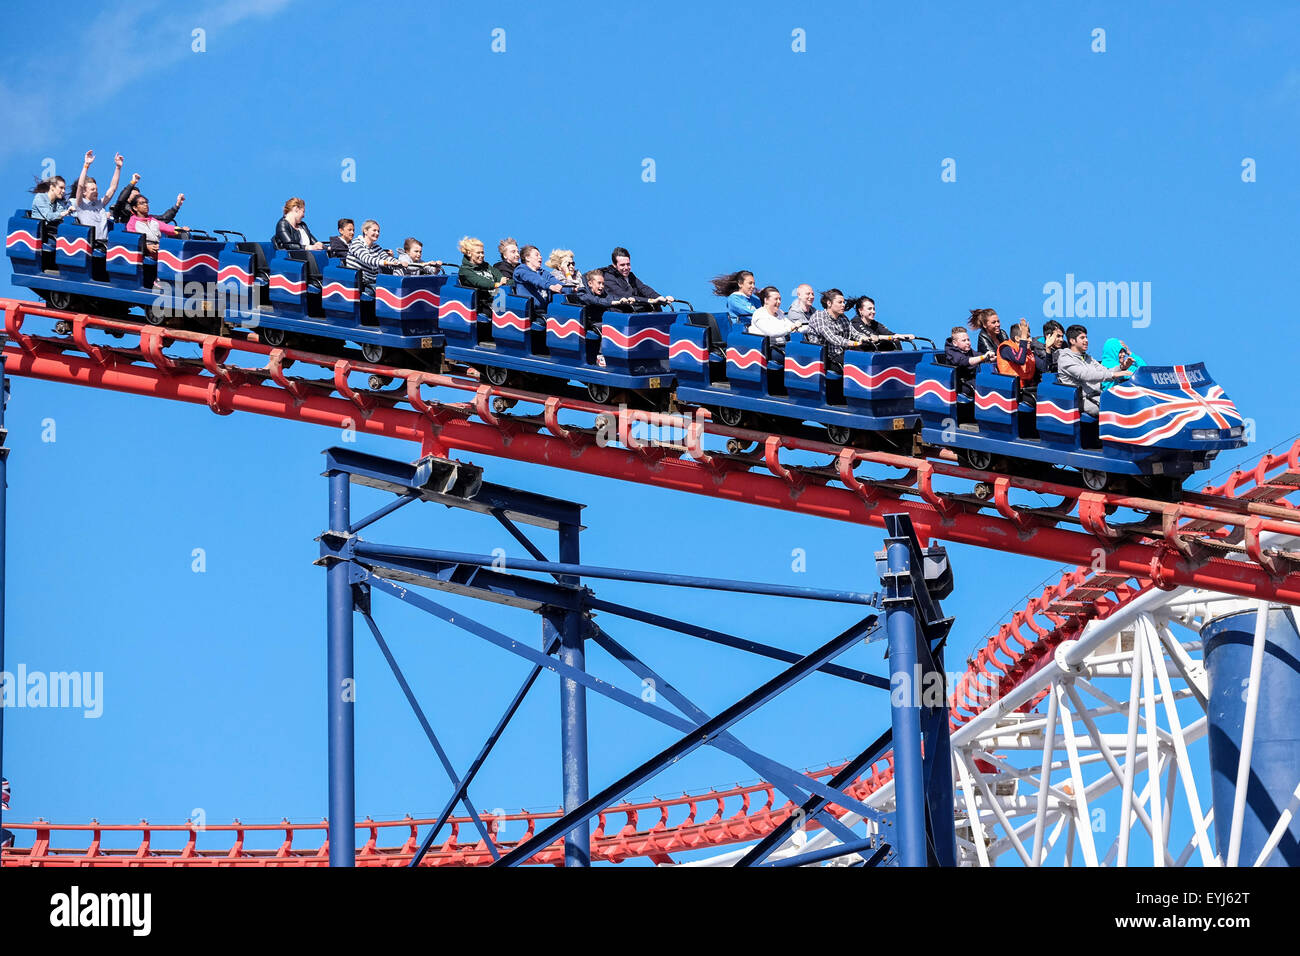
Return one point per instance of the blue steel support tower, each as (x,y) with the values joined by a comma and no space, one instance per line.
(358,567)
(914,581)
(4,485)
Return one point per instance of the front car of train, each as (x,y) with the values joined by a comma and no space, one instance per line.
(1173,407)
(1161,425)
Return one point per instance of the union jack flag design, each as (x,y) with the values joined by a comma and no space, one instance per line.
(1159,402)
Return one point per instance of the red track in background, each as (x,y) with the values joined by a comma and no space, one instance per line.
(1210,540)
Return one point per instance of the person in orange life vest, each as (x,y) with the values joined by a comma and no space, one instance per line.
(1016,358)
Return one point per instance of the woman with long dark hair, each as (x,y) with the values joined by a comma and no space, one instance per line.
(868,329)
(49,202)
(738,289)
(988,324)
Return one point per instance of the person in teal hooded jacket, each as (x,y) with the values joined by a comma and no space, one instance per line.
(1115,354)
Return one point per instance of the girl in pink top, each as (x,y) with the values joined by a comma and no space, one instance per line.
(151,227)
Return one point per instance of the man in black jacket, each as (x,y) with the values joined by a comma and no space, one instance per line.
(508,249)
(1047,351)
(621,282)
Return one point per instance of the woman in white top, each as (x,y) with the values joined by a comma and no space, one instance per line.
(769,320)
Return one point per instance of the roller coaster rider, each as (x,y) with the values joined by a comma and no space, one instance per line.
(367,256)
(593,294)
(989,327)
(1016,359)
(875,335)
(830,328)
(621,283)
(293,235)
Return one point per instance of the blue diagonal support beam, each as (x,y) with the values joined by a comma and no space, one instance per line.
(680,724)
(789,782)
(385,511)
(730,640)
(518,534)
(428,732)
(816,804)
(835,852)
(483,753)
(695,738)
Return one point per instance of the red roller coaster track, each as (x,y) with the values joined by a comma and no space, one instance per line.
(1210,539)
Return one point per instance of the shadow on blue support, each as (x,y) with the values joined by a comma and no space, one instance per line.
(357,569)
(914,580)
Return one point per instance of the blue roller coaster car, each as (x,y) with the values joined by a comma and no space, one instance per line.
(1155,429)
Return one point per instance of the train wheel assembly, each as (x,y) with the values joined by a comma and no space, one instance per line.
(63,301)
(1094,480)
(973,458)
(731,417)
(839,434)
(494,375)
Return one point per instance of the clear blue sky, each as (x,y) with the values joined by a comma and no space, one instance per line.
(822,166)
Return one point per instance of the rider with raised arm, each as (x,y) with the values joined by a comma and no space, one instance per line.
(1016,359)
(87,206)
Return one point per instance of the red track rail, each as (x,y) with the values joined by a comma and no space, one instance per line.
(676,825)
(1210,540)
(1173,544)
(1009,657)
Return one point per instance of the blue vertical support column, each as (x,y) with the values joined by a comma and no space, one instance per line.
(1275,752)
(573,711)
(4,485)
(341,691)
(909,781)
(939,787)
